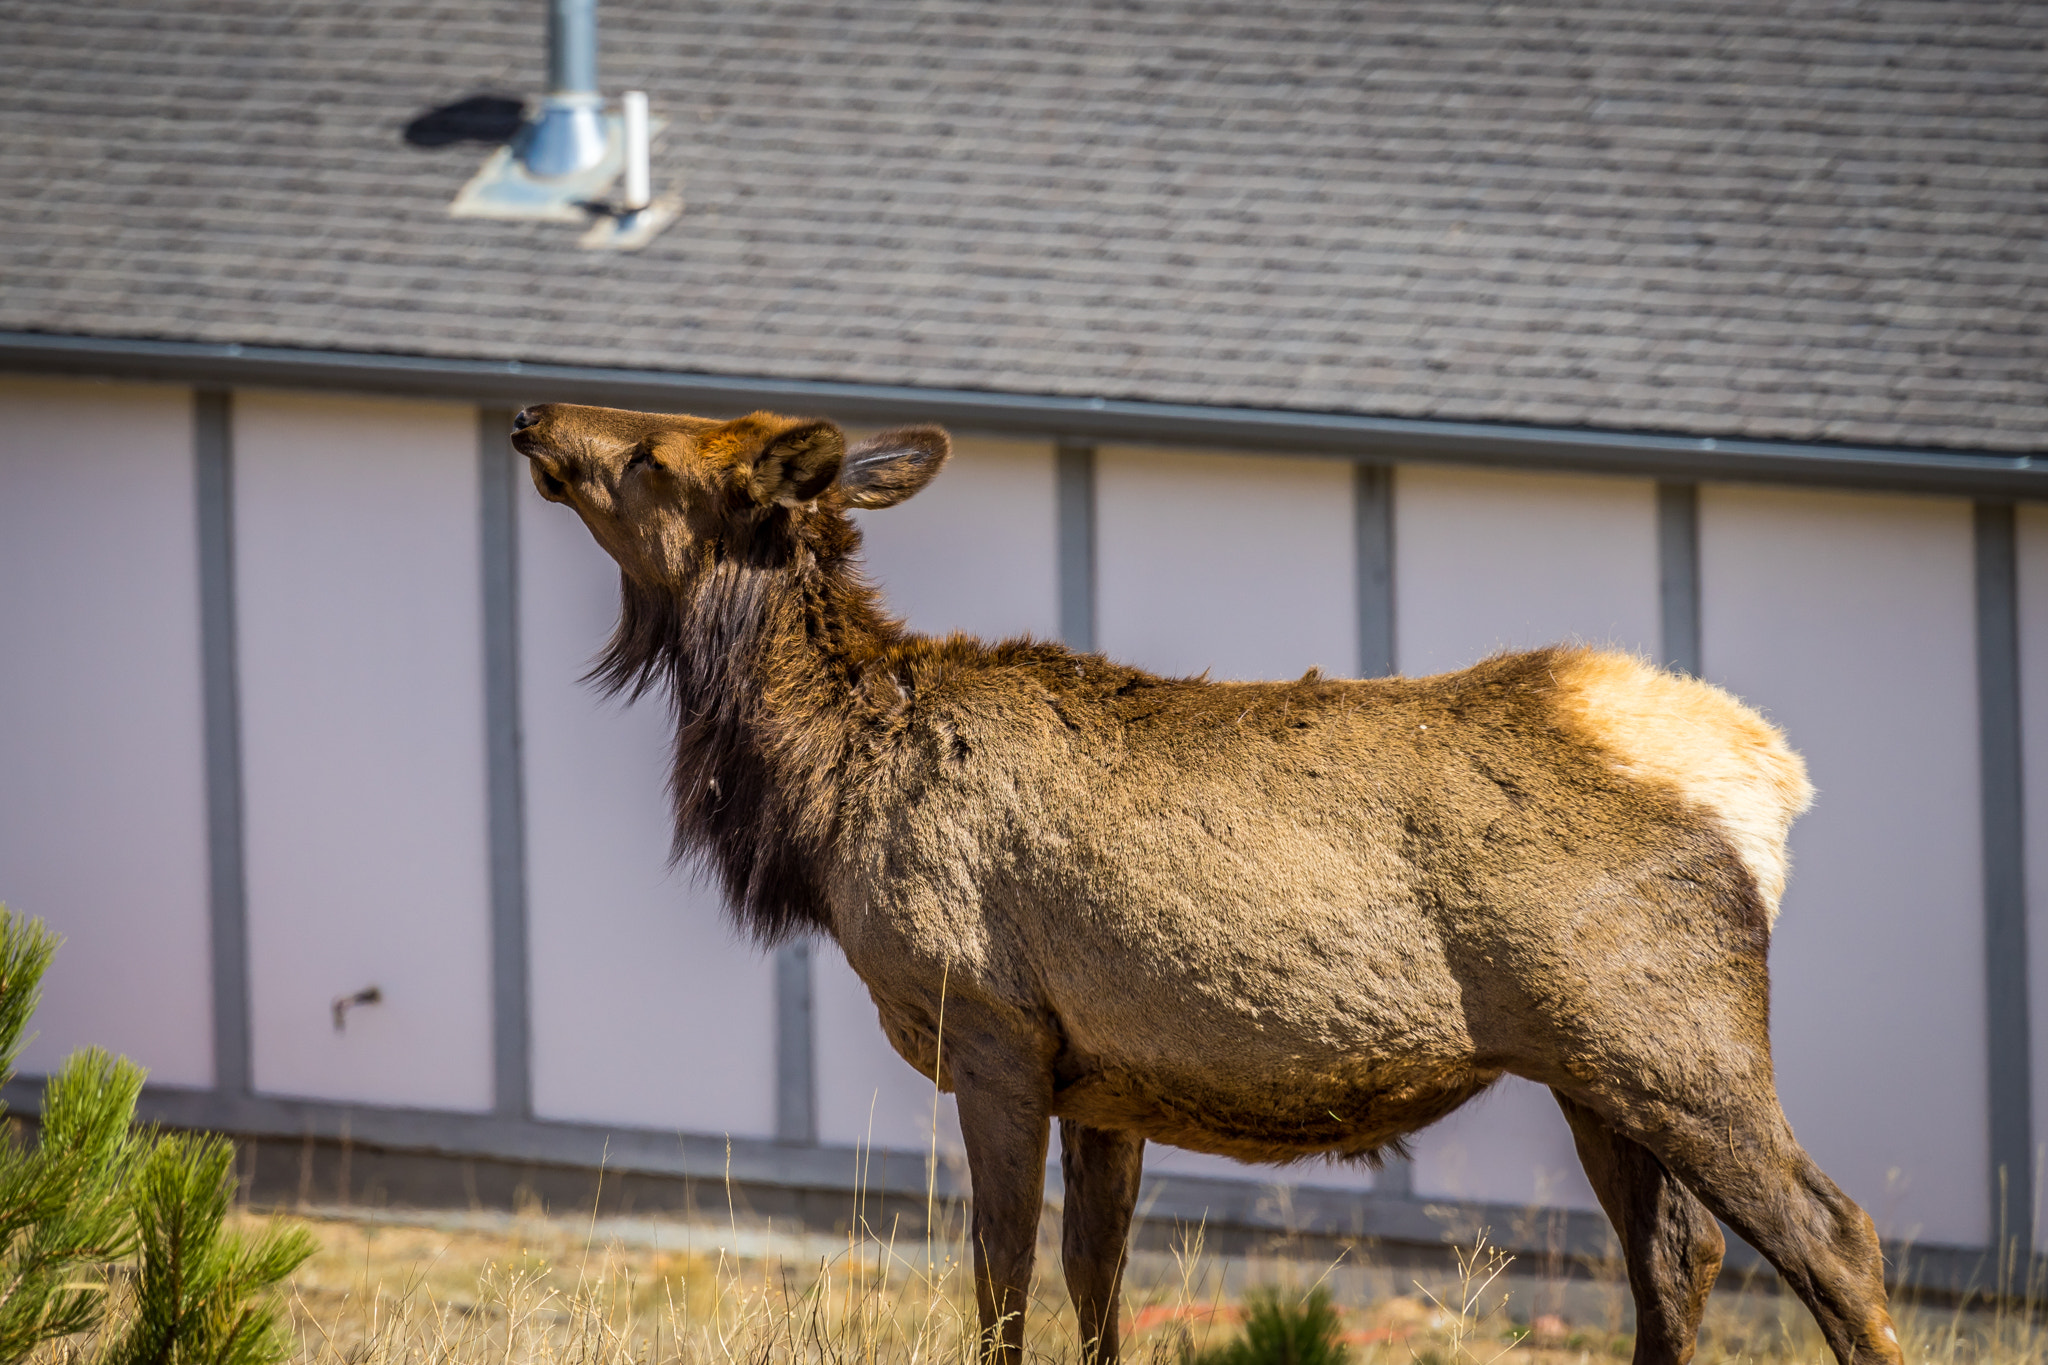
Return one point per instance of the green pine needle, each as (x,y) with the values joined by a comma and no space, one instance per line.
(200,1289)
(94,1192)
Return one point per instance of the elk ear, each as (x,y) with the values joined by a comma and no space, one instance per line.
(798,464)
(884,470)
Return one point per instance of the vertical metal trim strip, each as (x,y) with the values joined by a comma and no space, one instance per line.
(504,768)
(1372,502)
(1076,518)
(2007,1030)
(1678,576)
(213,476)
(796,1065)
(1372,498)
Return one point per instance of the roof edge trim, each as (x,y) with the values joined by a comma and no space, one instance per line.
(1345,436)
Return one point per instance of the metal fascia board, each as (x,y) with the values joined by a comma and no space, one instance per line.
(1337,435)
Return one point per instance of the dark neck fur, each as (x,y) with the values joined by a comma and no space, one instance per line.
(764,654)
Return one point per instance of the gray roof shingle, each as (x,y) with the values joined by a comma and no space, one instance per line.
(1812,221)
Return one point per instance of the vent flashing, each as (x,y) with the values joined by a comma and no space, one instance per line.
(562,163)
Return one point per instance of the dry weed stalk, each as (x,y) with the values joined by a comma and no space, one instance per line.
(1478,1267)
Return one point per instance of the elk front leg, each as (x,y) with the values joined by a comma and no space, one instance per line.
(1102,1170)
(1005,1127)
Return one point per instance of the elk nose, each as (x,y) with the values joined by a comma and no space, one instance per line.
(526,418)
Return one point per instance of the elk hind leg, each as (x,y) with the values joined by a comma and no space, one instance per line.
(1669,1241)
(1742,1161)
(1102,1170)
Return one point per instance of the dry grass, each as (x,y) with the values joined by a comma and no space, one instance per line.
(484,1289)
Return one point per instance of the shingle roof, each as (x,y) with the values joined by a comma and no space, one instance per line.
(1810,221)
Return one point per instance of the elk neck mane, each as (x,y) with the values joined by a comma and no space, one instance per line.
(768,654)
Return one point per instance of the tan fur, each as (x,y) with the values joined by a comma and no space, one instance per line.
(1273,920)
(1718,755)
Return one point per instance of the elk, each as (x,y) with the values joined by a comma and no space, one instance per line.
(1272,921)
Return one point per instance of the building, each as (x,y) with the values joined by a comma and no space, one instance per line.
(1272,336)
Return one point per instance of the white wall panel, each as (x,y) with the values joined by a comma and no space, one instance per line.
(867,1095)
(102,768)
(1487,561)
(2031,525)
(359,601)
(647,1008)
(1240,565)
(1850,619)
(976,551)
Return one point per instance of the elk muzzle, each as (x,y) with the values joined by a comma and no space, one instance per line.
(546,468)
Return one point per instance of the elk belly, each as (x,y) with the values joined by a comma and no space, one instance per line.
(1345,1118)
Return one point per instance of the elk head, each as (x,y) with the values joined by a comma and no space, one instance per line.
(665,494)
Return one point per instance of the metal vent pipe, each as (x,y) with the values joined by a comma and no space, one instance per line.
(572,47)
(568,136)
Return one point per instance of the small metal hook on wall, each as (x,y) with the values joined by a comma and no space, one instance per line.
(368,995)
